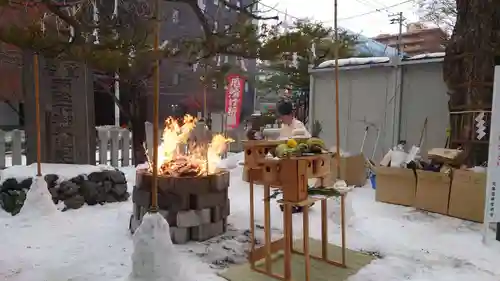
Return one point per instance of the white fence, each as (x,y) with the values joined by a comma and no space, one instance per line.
(113,147)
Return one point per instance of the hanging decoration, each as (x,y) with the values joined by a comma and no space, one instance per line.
(234,98)
(480,126)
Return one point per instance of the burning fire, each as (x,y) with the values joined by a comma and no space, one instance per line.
(181,155)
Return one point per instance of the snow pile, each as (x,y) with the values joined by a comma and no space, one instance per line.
(154,257)
(38,200)
(354,61)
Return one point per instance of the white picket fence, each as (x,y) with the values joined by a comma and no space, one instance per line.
(113,147)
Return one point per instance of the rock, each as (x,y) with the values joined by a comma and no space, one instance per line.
(90,191)
(98,177)
(10,184)
(12,200)
(26,184)
(110,198)
(107,186)
(51,180)
(124,197)
(102,191)
(74,202)
(78,179)
(68,189)
(117,177)
(55,196)
(119,189)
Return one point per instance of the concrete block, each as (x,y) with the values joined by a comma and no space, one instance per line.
(207,231)
(208,200)
(195,185)
(179,235)
(193,218)
(141,197)
(220,212)
(220,182)
(173,202)
(170,217)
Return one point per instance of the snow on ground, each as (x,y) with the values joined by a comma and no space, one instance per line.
(93,243)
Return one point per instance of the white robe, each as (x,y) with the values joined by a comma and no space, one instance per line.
(296,129)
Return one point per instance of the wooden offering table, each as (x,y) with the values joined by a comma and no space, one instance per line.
(291,176)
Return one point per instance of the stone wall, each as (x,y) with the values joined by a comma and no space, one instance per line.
(196,208)
(95,188)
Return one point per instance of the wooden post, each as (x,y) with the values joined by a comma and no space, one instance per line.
(252,222)
(36,74)
(267,227)
(337,99)
(156,101)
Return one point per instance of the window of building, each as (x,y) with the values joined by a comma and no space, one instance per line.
(227,27)
(216,2)
(216,26)
(214,84)
(226,59)
(175,79)
(227,7)
(238,3)
(175,16)
(246,86)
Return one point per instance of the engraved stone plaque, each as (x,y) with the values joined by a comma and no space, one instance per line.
(67,109)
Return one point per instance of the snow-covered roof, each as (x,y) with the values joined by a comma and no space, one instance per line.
(377,60)
(354,61)
(427,56)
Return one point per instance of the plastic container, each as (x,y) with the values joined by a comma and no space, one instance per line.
(372,180)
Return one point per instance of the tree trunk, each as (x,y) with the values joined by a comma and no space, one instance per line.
(468,68)
(138,108)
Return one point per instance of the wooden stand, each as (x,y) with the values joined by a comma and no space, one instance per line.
(291,175)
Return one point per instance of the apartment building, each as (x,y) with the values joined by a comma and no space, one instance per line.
(418,39)
(180,83)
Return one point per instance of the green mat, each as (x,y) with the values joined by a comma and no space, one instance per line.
(320,271)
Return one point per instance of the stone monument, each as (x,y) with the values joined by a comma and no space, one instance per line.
(67,123)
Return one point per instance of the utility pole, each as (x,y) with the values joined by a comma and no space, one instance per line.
(398,19)
(398,78)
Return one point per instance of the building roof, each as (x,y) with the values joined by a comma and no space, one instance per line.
(410,33)
(371,47)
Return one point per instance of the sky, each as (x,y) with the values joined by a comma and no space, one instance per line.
(366,17)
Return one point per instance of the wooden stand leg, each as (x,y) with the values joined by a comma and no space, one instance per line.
(342,227)
(267,227)
(252,225)
(287,220)
(324,229)
(307,258)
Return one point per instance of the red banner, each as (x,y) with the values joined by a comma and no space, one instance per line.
(234,99)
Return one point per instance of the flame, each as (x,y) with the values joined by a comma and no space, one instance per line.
(179,155)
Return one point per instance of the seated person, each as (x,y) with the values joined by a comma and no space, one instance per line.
(291,126)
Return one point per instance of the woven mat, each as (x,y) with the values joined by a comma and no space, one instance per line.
(320,271)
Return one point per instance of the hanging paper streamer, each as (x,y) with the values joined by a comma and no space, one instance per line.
(480,126)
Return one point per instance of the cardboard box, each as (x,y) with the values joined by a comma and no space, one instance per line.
(395,186)
(352,169)
(433,191)
(467,195)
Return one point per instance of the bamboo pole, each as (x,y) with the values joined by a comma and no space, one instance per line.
(156,100)
(36,75)
(337,106)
